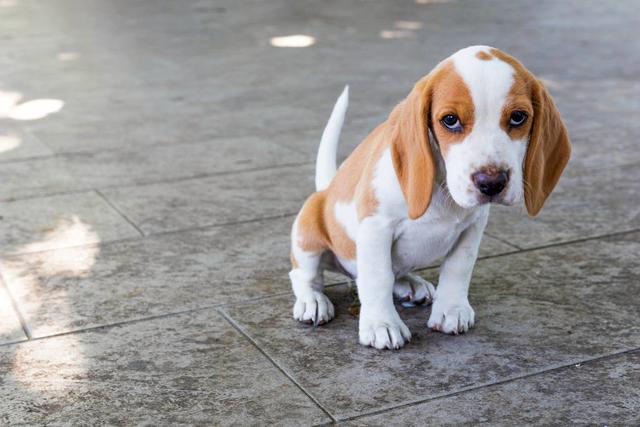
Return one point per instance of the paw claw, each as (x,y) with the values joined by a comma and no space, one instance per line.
(413,290)
(315,310)
(453,318)
(383,331)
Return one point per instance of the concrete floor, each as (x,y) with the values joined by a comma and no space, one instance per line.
(144,219)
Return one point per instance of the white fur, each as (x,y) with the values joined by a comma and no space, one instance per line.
(488,144)
(380,324)
(312,305)
(389,245)
(326,160)
(412,289)
(347,216)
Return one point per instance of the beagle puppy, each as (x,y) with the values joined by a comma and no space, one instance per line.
(478,129)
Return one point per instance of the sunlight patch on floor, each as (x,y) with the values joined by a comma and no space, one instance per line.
(9,142)
(408,25)
(50,367)
(394,34)
(8,101)
(10,327)
(297,40)
(67,56)
(403,29)
(35,109)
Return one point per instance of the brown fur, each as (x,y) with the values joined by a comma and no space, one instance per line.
(440,93)
(549,148)
(450,96)
(484,56)
(318,228)
(548,153)
(406,133)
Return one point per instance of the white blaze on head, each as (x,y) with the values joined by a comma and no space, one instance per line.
(489,82)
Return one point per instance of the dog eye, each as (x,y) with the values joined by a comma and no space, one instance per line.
(451,122)
(517,118)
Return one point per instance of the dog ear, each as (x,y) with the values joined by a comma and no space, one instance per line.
(410,148)
(548,151)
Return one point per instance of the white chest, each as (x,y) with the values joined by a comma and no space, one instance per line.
(420,243)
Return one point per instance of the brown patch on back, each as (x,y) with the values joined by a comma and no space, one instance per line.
(354,183)
(318,227)
(483,56)
(364,195)
(440,93)
(312,232)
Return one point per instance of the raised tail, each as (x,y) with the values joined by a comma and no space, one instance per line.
(326,161)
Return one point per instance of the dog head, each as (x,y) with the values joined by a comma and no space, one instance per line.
(496,127)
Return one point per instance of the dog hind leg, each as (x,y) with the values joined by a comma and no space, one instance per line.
(312,305)
(413,289)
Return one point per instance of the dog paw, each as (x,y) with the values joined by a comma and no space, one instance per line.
(316,309)
(383,331)
(412,290)
(454,318)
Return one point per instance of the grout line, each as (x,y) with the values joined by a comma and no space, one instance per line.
(16,309)
(500,239)
(166,315)
(111,325)
(284,293)
(163,315)
(159,181)
(44,196)
(272,296)
(465,390)
(219,309)
(152,235)
(289,214)
(119,211)
(236,326)
(8,343)
(27,159)
(210,175)
(28,131)
(45,157)
(224,224)
(564,243)
(272,138)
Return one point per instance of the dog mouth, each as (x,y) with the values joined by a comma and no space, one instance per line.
(498,199)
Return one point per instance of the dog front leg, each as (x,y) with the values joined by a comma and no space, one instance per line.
(451,312)
(380,324)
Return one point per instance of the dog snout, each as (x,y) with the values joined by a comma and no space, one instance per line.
(490,181)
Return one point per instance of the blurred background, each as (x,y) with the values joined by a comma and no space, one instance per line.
(153,155)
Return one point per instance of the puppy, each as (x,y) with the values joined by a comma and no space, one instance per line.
(478,129)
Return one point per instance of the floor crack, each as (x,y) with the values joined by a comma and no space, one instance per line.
(239,328)
(120,212)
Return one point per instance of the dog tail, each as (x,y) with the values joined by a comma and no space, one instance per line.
(326,161)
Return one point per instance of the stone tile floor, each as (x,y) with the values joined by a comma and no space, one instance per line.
(144,221)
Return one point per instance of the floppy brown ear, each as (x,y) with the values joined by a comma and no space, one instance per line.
(410,149)
(548,151)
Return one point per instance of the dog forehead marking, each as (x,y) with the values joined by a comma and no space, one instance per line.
(489,82)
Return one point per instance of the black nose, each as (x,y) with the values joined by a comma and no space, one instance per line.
(490,181)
